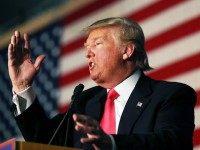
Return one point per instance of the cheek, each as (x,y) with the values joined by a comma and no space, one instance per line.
(103,57)
(107,57)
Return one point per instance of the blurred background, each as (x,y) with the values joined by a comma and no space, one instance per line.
(171,28)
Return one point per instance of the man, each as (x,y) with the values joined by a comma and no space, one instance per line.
(127,110)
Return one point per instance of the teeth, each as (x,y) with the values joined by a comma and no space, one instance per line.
(92,64)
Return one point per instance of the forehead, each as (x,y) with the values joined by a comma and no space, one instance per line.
(102,33)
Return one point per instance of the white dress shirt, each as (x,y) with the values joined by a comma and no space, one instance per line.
(124,89)
(23,99)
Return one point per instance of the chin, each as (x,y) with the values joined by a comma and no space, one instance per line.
(96,78)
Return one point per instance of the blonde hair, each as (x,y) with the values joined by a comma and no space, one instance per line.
(130,32)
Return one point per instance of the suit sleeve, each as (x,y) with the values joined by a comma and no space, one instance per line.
(173,128)
(35,126)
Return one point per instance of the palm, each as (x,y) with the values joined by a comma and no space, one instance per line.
(20,66)
(22,72)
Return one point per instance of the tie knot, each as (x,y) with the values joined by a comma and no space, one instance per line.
(112,94)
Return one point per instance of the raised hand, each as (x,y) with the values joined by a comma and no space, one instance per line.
(21,68)
(95,134)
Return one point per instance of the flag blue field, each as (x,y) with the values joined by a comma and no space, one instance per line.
(172,31)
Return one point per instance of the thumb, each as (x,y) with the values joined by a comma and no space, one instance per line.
(38,62)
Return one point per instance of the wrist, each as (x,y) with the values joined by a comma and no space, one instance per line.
(18,87)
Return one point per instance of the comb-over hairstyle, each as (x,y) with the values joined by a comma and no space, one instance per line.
(130,31)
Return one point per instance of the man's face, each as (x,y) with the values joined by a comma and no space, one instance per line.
(104,53)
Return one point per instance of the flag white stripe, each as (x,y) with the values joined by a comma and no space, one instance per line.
(72,61)
(174,51)
(73,30)
(197,117)
(168,19)
(190,78)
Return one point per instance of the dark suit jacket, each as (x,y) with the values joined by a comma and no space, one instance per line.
(165,121)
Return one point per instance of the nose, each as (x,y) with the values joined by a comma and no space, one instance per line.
(89,52)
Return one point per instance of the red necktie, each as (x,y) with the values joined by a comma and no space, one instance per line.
(108,120)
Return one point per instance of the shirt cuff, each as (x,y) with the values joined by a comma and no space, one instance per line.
(23,99)
(113,142)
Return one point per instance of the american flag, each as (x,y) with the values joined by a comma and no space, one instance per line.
(172,31)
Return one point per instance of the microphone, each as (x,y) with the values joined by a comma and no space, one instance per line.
(76,94)
(77,91)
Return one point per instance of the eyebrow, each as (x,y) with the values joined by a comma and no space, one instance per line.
(101,37)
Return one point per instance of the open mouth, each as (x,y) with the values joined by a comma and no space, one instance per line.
(91,65)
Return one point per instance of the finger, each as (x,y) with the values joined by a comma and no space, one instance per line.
(79,118)
(79,129)
(89,140)
(79,124)
(13,40)
(10,54)
(26,41)
(83,128)
(92,136)
(10,50)
(86,120)
(26,49)
(17,34)
(39,61)
(74,116)
(93,139)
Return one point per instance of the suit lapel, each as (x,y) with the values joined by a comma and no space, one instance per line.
(136,103)
(95,105)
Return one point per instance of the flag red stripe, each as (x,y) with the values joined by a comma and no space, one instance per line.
(177,68)
(94,6)
(68,48)
(73,76)
(63,108)
(196,137)
(153,9)
(173,34)
(140,15)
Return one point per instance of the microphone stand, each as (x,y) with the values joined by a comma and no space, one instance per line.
(77,91)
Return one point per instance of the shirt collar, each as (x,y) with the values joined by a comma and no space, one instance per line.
(125,88)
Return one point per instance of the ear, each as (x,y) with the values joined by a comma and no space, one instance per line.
(128,51)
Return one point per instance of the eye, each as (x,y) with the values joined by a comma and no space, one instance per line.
(98,43)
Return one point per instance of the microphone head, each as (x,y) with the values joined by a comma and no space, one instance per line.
(78,89)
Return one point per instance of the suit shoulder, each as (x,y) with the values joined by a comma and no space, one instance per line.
(89,93)
(167,88)
(167,85)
